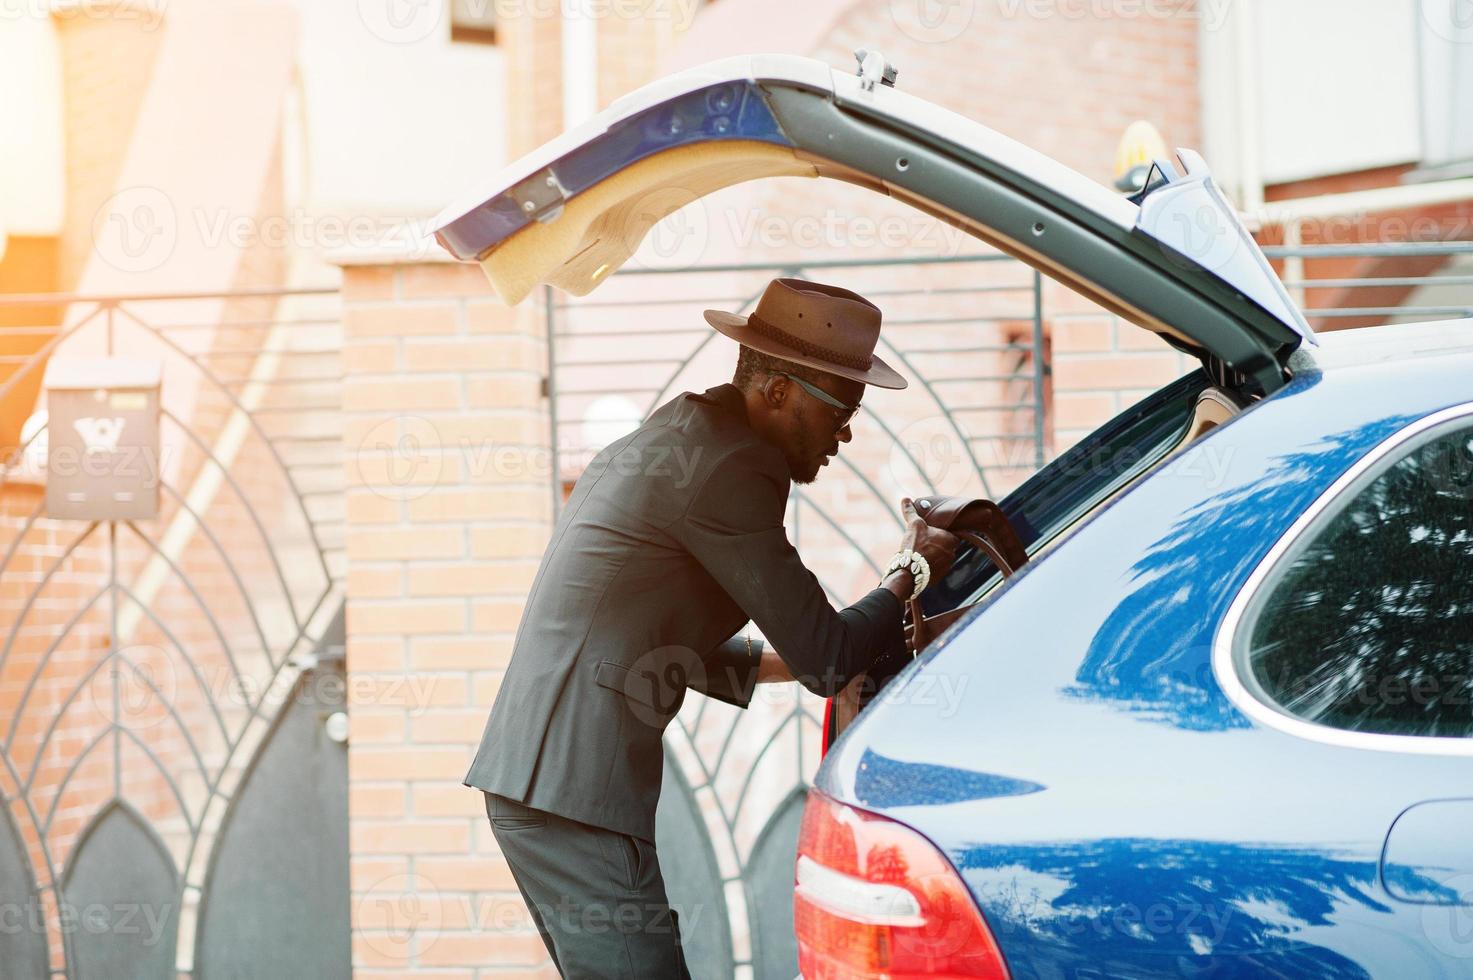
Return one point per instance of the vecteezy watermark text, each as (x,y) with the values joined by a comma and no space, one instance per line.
(404,456)
(140,919)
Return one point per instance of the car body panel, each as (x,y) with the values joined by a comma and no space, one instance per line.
(1070,748)
(1428,858)
(575,210)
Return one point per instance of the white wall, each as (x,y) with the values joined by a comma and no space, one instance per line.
(1338,86)
(1322,87)
(397,120)
(391,120)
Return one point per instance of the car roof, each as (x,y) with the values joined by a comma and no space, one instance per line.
(1368,346)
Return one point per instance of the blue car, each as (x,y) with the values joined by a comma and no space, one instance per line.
(1218,724)
(1216,727)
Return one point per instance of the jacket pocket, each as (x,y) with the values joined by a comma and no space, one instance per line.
(632,859)
(518,823)
(641,686)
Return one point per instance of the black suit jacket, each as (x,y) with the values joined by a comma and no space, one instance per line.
(671,540)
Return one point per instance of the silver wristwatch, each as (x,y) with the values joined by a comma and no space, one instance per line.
(918,567)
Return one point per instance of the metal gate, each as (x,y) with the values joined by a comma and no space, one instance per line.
(174,776)
(967,332)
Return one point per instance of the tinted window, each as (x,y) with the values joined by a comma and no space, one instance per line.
(1074,482)
(1368,624)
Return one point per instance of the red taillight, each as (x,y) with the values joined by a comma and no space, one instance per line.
(875,899)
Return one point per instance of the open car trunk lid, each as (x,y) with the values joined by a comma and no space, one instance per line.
(1174,259)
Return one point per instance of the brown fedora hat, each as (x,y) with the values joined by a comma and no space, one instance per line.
(826,327)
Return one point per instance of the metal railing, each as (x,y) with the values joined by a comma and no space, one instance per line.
(950,325)
(1353,285)
(940,313)
(274,355)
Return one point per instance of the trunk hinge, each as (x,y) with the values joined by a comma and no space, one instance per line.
(540,197)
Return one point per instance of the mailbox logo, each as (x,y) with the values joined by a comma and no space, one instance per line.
(99,435)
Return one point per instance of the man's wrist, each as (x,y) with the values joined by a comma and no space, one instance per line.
(916,565)
(901,582)
(771,669)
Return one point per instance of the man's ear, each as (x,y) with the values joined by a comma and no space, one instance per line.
(775,391)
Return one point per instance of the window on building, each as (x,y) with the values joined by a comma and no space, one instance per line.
(473,21)
(1367,623)
(1031,387)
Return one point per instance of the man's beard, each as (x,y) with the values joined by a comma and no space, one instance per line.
(805,461)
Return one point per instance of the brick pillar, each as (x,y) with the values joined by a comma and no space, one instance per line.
(448,511)
(531,37)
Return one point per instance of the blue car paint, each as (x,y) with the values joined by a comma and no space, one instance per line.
(1113,814)
(1419,866)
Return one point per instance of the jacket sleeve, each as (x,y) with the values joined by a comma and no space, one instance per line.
(731,672)
(734,528)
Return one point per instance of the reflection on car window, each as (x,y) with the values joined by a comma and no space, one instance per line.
(1369,626)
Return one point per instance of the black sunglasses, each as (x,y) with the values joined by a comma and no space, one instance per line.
(843,415)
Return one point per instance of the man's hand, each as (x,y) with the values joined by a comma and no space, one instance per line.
(938,547)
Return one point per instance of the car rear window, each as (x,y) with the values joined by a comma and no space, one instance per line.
(1076,481)
(1366,624)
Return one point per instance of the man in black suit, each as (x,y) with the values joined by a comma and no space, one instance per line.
(670,542)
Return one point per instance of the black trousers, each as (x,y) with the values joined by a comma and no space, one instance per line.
(596,895)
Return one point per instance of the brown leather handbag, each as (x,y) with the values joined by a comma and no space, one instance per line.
(979,522)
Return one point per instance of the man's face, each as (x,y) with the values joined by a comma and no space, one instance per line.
(810,436)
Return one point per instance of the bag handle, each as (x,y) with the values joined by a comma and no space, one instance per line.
(981,523)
